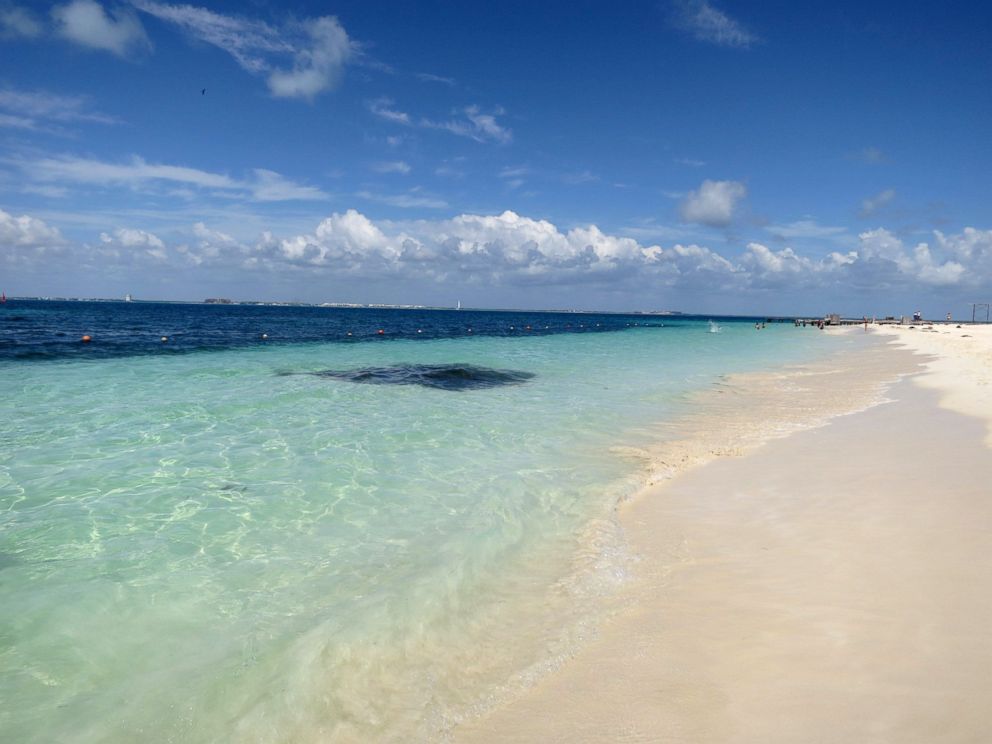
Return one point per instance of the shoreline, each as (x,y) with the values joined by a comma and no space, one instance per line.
(755,613)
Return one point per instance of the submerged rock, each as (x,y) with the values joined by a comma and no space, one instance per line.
(442,376)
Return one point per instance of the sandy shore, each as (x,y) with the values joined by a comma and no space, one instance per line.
(833,585)
(960,365)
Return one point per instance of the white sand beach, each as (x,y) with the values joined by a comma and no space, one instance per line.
(832,585)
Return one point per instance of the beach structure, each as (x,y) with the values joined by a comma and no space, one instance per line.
(977,307)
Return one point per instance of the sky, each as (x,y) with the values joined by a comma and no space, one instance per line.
(707,156)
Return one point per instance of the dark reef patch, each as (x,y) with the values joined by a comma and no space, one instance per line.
(453,377)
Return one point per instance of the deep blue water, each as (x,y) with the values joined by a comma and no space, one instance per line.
(40,330)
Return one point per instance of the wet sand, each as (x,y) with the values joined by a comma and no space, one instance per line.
(830,586)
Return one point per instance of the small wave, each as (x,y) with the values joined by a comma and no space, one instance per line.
(454,377)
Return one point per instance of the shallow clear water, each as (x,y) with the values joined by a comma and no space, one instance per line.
(219,545)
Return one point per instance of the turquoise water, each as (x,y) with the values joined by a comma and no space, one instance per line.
(198,547)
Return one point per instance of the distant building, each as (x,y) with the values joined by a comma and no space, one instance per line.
(128,298)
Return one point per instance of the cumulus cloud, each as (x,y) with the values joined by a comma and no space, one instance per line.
(507,248)
(135,240)
(319,47)
(873,204)
(512,249)
(515,251)
(85,22)
(885,250)
(18,22)
(713,203)
(706,23)
(27,232)
(970,245)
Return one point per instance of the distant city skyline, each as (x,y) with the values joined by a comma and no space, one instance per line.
(706,157)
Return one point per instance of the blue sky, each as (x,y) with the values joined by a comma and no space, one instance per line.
(694,155)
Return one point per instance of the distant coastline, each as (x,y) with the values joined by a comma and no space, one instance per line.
(363,305)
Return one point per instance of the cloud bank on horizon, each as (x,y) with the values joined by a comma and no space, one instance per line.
(367,154)
(505,250)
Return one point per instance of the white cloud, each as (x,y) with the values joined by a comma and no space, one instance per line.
(265,185)
(706,23)
(713,203)
(575,179)
(27,232)
(516,171)
(135,240)
(319,65)
(766,261)
(18,22)
(872,204)
(392,166)
(11,121)
(85,22)
(476,125)
(36,110)
(882,247)
(411,200)
(512,250)
(269,186)
(690,162)
(429,78)
(805,229)
(319,47)
(970,245)
(51,192)
(248,41)
(383,108)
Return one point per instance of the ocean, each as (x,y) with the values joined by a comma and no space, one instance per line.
(281,525)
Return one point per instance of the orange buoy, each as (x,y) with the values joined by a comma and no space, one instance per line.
(380,331)
(87,339)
